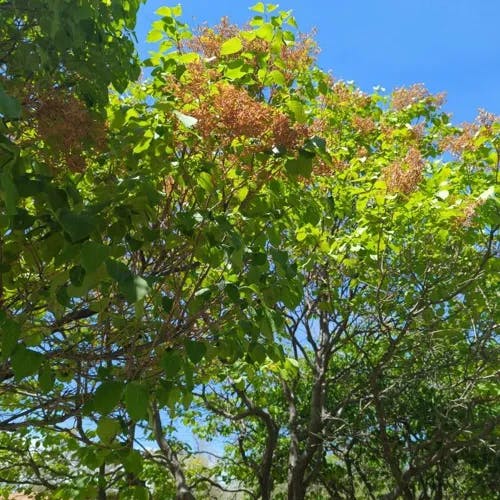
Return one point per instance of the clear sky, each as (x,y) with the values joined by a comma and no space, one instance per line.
(449,45)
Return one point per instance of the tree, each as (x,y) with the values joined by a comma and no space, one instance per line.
(242,240)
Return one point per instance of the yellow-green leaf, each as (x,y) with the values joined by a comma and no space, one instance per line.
(231,46)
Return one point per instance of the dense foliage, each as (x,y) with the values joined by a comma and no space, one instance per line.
(242,248)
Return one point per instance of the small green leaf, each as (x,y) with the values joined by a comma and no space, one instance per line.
(302,234)
(10,193)
(25,362)
(258,354)
(275,77)
(118,271)
(489,193)
(167,304)
(259,7)
(107,396)
(9,107)
(10,331)
(297,108)
(107,429)
(133,462)
(195,350)
(136,401)
(139,493)
(93,255)
(205,181)
(171,363)
(154,36)
(46,379)
(302,165)
(77,275)
(241,193)
(236,71)
(266,32)
(141,288)
(164,11)
(231,46)
(78,226)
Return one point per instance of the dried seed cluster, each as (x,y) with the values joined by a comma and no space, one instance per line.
(64,123)
(404,176)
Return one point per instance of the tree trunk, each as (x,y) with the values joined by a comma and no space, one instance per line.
(183,491)
(101,493)
(301,457)
(296,486)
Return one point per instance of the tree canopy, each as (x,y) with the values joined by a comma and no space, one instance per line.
(299,274)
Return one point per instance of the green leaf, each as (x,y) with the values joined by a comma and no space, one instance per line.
(205,181)
(171,363)
(93,255)
(25,362)
(141,289)
(258,354)
(164,12)
(107,429)
(154,36)
(10,331)
(46,379)
(133,462)
(488,193)
(259,7)
(167,304)
(266,32)
(187,121)
(107,396)
(241,194)
(275,77)
(9,107)
(78,226)
(297,108)
(118,271)
(10,194)
(236,70)
(302,165)
(139,493)
(133,287)
(231,46)
(136,400)
(77,275)
(195,350)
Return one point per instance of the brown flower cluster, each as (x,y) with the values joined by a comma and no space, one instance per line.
(293,57)
(364,125)
(418,131)
(407,96)
(344,95)
(487,119)
(208,41)
(194,86)
(323,168)
(227,114)
(466,219)
(298,56)
(464,140)
(65,124)
(231,113)
(404,176)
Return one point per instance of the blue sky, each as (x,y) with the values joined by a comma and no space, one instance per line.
(449,45)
